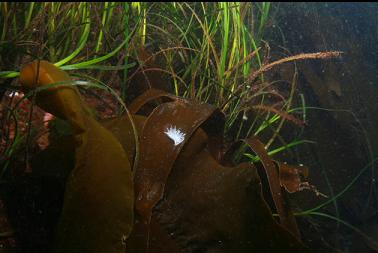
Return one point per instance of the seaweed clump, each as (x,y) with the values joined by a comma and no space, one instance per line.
(189,196)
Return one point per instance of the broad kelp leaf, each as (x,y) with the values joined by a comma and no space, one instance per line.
(97,214)
(208,207)
(165,132)
(97,211)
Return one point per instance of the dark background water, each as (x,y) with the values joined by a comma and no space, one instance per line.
(347,135)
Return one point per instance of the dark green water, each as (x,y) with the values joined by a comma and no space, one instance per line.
(346,134)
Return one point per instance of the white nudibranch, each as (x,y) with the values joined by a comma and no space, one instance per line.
(175,135)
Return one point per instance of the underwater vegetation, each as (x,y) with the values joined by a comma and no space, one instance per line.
(152,127)
(99,192)
(99,196)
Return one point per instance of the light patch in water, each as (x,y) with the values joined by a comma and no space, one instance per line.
(175,135)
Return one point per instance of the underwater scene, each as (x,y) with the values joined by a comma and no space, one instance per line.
(181,127)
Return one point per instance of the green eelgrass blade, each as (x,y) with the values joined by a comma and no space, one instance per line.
(12,74)
(102,58)
(9,74)
(29,14)
(254,158)
(99,67)
(82,42)
(368,144)
(100,36)
(264,17)
(18,140)
(126,17)
(340,193)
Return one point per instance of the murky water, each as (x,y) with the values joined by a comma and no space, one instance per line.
(190,193)
(346,129)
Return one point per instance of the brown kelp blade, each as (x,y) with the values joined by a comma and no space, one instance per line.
(164,134)
(97,213)
(213,127)
(287,219)
(211,208)
(290,176)
(148,96)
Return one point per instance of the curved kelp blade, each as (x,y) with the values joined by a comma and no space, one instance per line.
(287,219)
(97,213)
(148,96)
(213,127)
(164,134)
(56,93)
